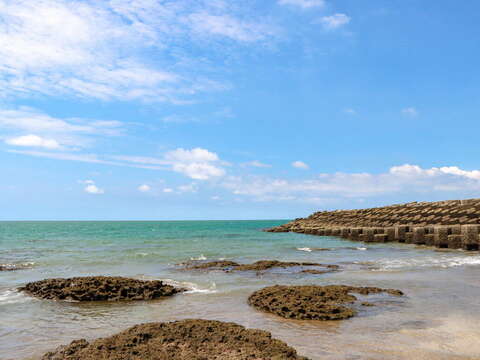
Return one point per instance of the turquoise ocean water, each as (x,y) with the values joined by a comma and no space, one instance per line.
(438,319)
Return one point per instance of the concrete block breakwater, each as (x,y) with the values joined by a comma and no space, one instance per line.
(453,224)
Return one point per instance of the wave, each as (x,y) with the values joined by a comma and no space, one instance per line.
(200,258)
(13,296)
(16,266)
(192,288)
(426,262)
(308,249)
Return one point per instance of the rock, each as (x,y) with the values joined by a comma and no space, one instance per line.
(180,340)
(99,288)
(315,272)
(211,265)
(311,302)
(261,265)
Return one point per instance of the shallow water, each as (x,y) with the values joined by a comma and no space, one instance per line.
(437,319)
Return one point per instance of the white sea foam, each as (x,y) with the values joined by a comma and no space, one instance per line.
(426,262)
(17,266)
(13,296)
(201,257)
(192,288)
(307,249)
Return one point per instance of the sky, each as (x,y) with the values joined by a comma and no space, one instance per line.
(251,109)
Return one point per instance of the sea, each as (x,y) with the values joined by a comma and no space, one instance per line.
(438,318)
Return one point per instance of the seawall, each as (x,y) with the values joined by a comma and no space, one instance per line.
(453,224)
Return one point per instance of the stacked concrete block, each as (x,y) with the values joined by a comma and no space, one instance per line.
(470,237)
(390,234)
(400,232)
(441,233)
(367,234)
(408,237)
(430,239)
(381,238)
(418,235)
(453,224)
(355,233)
(345,232)
(455,241)
(335,232)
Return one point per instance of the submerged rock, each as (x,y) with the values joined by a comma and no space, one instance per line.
(220,265)
(269,264)
(311,302)
(261,265)
(99,288)
(180,340)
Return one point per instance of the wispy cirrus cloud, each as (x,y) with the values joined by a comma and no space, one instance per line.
(103,50)
(28,127)
(304,4)
(335,21)
(410,111)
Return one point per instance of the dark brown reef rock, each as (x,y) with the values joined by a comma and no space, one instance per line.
(99,288)
(312,302)
(261,265)
(180,340)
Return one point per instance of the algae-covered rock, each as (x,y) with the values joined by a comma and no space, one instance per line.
(180,340)
(310,302)
(99,288)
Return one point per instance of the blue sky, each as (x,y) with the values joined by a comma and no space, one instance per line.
(153,109)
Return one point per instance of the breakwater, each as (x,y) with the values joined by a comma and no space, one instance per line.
(453,224)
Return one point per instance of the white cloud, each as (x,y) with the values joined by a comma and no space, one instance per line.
(398,180)
(300,165)
(193,155)
(91,188)
(189,188)
(87,158)
(304,4)
(53,132)
(256,163)
(197,163)
(100,49)
(350,111)
(410,111)
(167,190)
(33,141)
(334,21)
(144,188)
(228,26)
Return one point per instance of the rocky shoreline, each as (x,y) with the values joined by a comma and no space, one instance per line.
(453,224)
